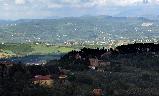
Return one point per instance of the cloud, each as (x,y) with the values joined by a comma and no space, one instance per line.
(37,8)
(115,2)
(127,2)
(20,2)
(54,5)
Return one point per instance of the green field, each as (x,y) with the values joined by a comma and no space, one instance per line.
(33,49)
(44,49)
(39,49)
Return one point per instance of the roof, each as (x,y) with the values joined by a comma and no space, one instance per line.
(98,92)
(40,77)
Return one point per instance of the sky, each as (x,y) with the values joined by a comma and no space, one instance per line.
(37,9)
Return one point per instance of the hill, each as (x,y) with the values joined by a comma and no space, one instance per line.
(86,28)
(131,70)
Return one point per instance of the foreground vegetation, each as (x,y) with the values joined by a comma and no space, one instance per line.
(130,73)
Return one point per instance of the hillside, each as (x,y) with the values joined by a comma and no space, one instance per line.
(131,70)
(128,70)
(86,28)
(14,49)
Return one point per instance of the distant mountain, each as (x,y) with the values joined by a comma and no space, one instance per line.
(85,28)
(5,22)
(145,10)
(54,17)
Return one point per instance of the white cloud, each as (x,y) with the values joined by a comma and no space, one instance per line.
(118,2)
(71,1)
(54,5)
(115,2)
(20,2)
(155,1)
(62,7)
(103,3)
(128,2)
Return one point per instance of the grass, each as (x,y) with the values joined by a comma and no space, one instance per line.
(44,49)
(65,49)
(36,49)
(41,48)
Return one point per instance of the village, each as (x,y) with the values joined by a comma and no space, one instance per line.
(81,73)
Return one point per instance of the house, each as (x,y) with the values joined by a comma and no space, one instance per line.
(93,62)
(77,56)
(97,92)
(71,42)
(100,64)
(103,63)
(41,62)
(92,67)
(62,76)
(45,81)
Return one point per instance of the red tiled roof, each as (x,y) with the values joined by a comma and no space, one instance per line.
(40,77)
(97,92)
